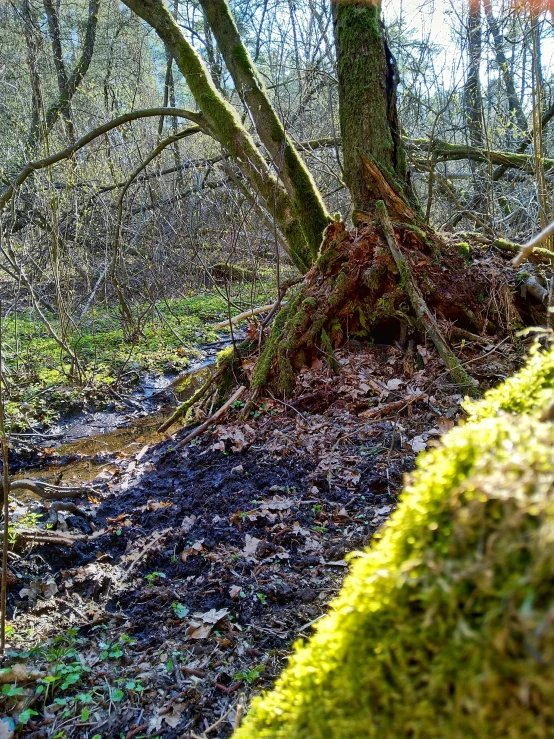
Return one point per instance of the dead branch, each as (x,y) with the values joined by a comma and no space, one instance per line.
(243,316)
(527,249)
(47,491)
(213,419)
(44,536)
(194,398)
(397,405)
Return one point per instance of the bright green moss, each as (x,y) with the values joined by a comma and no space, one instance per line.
(528,391)
(443,628)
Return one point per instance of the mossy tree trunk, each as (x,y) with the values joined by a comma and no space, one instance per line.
(286,159)
(224,124)
(367,102)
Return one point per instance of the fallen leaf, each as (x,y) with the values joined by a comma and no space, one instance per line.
(250,546)
(418,444)
(213,616)
(444,424)
(394,384)
(188,523)
(278,504)
(154,505)
(198,630)
(7,728)
(234,591)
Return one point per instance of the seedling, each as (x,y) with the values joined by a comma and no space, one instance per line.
(250,675)
(180,610)
(153,577)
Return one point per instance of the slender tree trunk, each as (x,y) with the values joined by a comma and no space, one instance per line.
(514,105)
(367,99)
(61,72)
(32,44)
(473,101)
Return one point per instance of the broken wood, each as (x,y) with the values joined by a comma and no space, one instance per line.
(423,315)
(243,316)
(397,405)
(194,398)
(213,419)
(44,536)
(527,249)
(49,492)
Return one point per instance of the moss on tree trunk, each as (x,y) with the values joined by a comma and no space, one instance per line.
(367,100)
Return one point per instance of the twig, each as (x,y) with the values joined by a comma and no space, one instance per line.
(194,398)
(43,536)
(527,248)
(146,549)
(240,710)
(47,491)
(6,489)
(213,419)
(311,623)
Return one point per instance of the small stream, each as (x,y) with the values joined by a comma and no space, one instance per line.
(93,442)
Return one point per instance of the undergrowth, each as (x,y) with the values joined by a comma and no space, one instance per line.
(38,376)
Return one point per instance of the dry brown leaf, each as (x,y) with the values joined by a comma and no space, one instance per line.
(444,424)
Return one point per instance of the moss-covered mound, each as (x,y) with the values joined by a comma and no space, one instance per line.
(445,626)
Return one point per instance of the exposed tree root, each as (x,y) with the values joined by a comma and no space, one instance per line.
(362,288)
(422,313)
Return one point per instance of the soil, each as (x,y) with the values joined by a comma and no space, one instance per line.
(178,597)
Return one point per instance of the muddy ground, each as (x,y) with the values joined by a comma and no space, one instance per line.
(178,595)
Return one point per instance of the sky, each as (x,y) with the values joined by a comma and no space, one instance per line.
(437,18)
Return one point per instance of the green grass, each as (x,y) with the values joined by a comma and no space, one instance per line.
(40,385)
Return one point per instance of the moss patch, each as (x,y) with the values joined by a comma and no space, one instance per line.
(443,628)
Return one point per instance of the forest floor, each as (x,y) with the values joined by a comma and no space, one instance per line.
(180,593)
(174,592)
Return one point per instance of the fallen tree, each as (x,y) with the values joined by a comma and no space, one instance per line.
(443,627)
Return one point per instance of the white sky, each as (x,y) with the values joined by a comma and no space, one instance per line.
(436,20)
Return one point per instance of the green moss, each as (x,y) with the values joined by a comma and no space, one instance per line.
(528,391)
(443,627)
(465,250)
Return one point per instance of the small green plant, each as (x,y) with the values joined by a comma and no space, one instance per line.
(153,577)
(262,597)
(25,715)
(180,610)
(251,675)
(11,690)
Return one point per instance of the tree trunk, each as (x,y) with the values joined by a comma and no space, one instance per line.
(367,100)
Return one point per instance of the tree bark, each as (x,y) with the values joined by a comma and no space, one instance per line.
(61,72)
(514,104)
(367,99)
(473,101)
